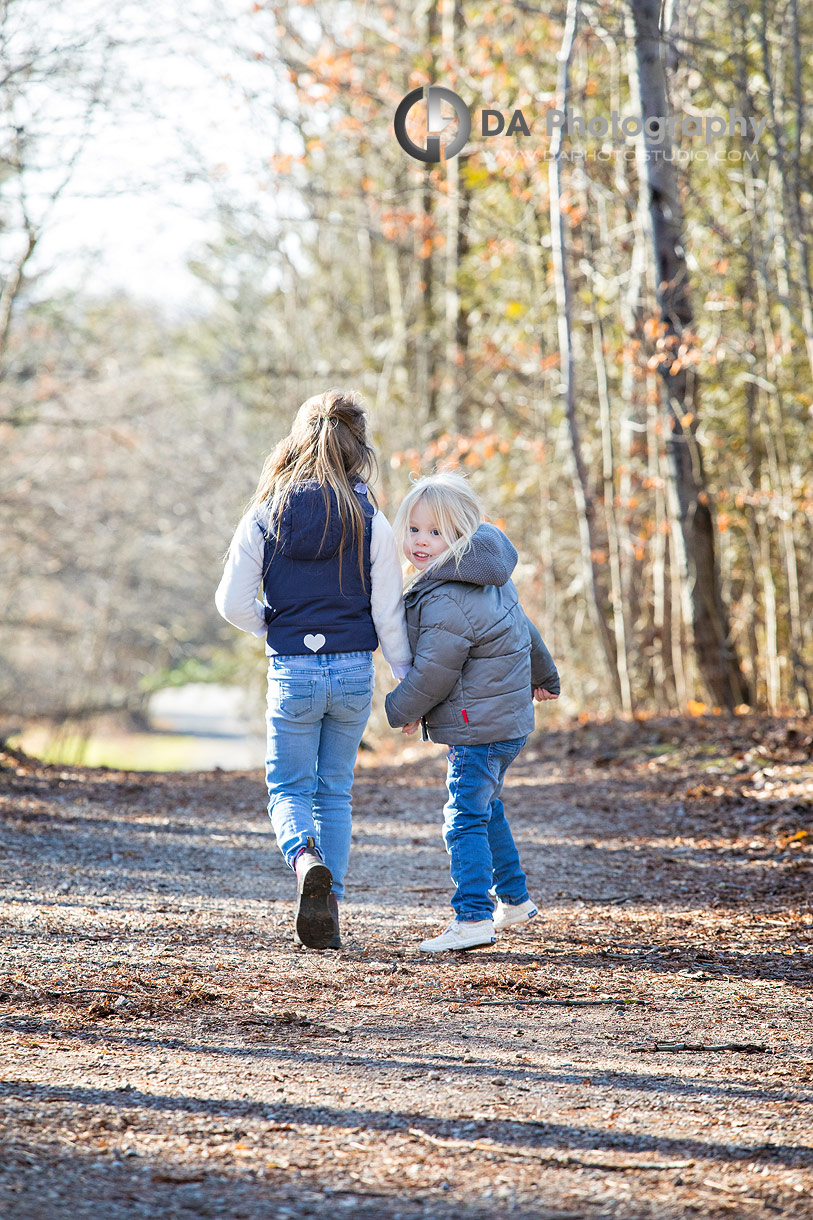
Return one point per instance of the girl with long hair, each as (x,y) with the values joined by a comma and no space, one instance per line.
(324,559)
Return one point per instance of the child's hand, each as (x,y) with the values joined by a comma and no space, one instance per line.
(540,694)
(411,727)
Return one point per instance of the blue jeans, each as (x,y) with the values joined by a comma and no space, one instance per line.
(476,831)
(316,712)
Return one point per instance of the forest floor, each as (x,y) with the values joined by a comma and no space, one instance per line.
(644,1048)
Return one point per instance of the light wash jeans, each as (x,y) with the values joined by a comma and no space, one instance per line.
(476,831)
(316,712)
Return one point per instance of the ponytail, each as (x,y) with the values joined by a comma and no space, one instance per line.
(327,444)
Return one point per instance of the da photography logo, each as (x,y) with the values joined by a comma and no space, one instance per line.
(435,123)
(612,131)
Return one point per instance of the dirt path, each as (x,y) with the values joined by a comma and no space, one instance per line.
(167,1053)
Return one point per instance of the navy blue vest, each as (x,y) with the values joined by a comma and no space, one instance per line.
(308,608)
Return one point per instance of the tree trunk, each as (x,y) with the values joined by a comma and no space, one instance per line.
(717,660)
(620,629)
(585,505)
(457,407)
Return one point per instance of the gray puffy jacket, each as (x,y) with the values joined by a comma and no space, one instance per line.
(477,657)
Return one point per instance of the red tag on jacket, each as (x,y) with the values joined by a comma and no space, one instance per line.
(463,714)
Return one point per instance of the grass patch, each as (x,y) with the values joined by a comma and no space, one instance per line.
(128,752)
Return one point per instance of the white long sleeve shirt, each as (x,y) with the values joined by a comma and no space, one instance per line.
(236,598)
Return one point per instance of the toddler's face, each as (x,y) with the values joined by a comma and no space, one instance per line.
(424,541)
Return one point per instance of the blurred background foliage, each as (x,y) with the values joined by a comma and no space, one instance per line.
(132,435)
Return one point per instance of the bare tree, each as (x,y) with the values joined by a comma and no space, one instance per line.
(585,503)
(52,87)
(716,655)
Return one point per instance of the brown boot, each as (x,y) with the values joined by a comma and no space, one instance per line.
(333,905)
(313,919)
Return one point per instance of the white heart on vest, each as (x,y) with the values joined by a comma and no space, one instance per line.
(314,642)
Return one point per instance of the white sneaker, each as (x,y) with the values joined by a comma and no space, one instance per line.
(461,935)
(506,914)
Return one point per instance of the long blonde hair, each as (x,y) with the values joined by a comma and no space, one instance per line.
(327,444)
(453,505)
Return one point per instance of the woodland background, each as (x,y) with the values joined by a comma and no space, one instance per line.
(617,350)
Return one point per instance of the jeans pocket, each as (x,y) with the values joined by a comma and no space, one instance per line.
(357,691)
(503,750)
(295,698)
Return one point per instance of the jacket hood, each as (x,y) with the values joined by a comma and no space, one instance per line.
(490,560)
(311,527)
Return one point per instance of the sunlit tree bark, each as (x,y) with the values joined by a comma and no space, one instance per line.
(716,656)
